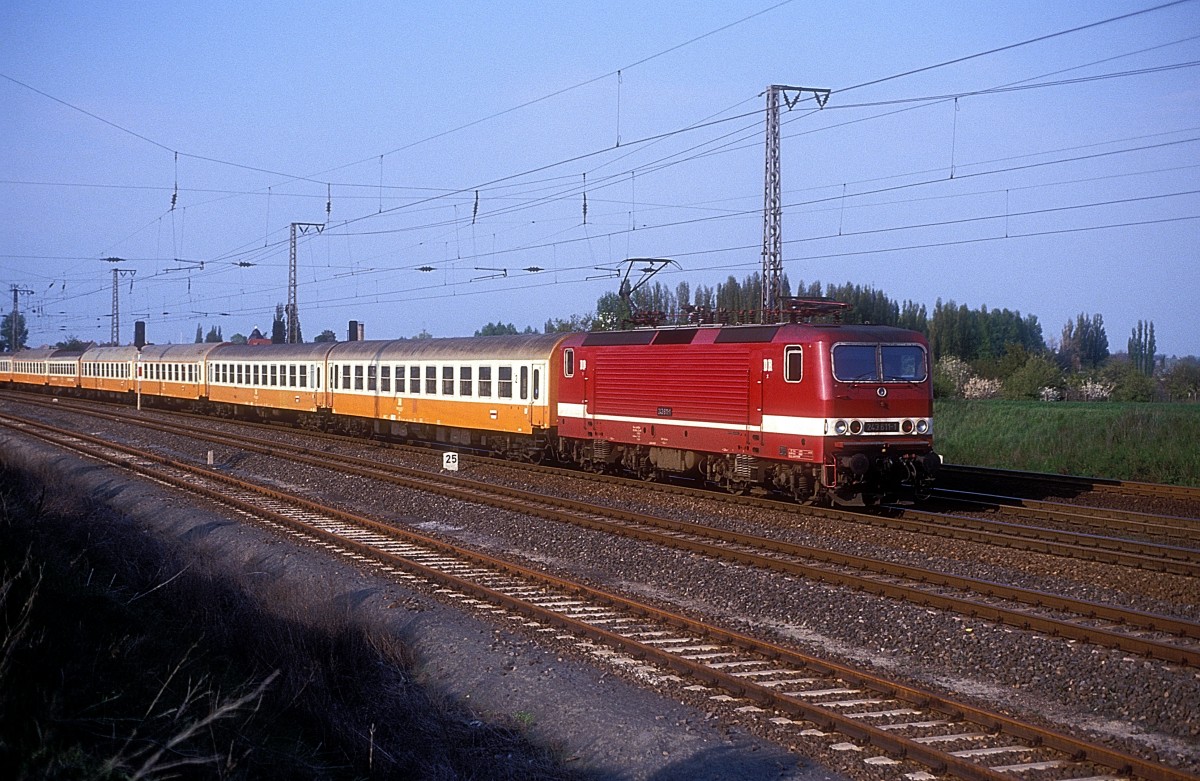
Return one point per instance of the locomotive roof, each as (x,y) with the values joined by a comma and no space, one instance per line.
(507,347)
(747,334)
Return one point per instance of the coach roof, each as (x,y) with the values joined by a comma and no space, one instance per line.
(513,347)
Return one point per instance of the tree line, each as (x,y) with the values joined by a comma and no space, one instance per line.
(977,353)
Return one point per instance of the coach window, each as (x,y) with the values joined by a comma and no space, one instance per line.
(291,375)
(464,381)
(254,374)
(358,377)
(224,373)
(793,365)
(524,382)
(569,362)
(485,382)
(372,382)
(431,380)
(399,378)
(537,381)
(304,375)
(274,375)
(447,380)
(385,379)
(505,389)
(414,379)
(345,376)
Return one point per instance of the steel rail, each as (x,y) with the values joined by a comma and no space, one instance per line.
(891,743)
(1172,527)
(1076,482)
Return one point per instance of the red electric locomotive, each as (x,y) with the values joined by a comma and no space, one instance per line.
(839,413)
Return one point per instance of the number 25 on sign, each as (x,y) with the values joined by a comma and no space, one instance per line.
(450,462)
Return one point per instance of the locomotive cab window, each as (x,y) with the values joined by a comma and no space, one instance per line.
(793,364)
(569,362)
(902,362)
(879,363)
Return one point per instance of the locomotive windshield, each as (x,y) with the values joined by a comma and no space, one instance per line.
(879,363)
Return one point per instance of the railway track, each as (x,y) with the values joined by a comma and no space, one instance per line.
(1065,485)
(1150,635)
(1175,530)
(900,722)
(1084,533)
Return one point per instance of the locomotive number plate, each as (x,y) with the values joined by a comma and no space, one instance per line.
(665,412)
(881,427)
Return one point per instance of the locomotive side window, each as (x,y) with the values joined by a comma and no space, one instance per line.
(464,381)
(485,382)
(569,362)
(431,380)
(506,382)
(793,365)
(447,380)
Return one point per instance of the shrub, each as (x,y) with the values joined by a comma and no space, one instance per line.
(1033,379)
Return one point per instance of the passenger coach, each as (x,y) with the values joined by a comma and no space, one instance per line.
(493,393)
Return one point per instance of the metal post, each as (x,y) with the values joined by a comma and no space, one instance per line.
(17,291)
(293,309)
(772,251)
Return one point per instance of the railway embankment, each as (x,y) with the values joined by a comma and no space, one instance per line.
(144,633)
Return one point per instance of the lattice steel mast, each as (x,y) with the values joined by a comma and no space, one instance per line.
(17,292)
(293,310)
(772,251)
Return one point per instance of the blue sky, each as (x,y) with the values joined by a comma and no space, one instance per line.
(1054,200)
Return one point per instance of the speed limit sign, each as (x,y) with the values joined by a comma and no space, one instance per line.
(450,462)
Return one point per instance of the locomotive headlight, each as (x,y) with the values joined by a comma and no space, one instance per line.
(839,428)
(856,427)
(907,427)
(922,426)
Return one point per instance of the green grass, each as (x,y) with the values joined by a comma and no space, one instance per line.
(1158,443)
